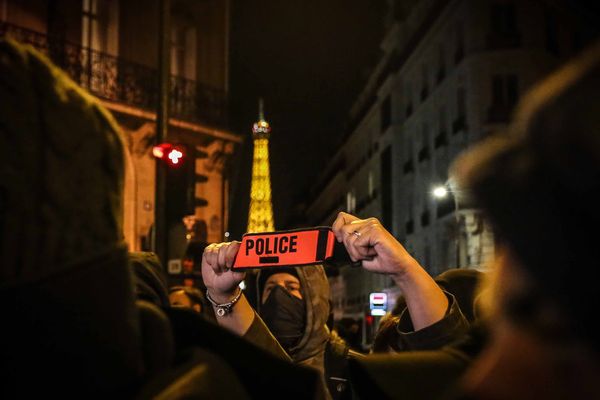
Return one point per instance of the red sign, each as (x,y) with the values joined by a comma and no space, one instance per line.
(286,248)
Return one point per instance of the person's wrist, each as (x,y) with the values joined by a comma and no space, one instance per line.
(222,296)
(405,274)
(224,308)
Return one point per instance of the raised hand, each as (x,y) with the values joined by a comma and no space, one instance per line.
(218,277)
(368,241)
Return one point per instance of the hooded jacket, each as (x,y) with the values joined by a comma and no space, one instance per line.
(310,349)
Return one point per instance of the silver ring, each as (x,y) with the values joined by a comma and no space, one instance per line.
(356,233)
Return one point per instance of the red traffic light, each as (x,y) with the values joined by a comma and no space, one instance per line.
(168,152)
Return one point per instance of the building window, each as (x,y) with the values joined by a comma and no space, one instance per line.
(425,218)
(441,139)
(183,50)
(90,26)
(99,35)
(351,201)
(505,93)
(503,18)
(386,113)
(460,122)
(408,166)
(424,83)
(576,42)
(441,69)
(409,226)
(409,106)
(459,52)
(424,151)
(386,186)
(504,32)
(551,31)
(100,26)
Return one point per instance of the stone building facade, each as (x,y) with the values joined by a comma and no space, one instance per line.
(110,47)
(450,73)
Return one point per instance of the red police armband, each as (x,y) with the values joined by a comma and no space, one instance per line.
(290,248)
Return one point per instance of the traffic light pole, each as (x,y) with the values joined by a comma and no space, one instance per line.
(162,124)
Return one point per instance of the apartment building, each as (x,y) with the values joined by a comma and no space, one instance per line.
(110,48)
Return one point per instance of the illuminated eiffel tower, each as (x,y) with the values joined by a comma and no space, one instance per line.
(260,215)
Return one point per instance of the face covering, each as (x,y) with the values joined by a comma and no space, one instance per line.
(285,316)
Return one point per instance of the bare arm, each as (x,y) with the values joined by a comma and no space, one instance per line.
(380,252)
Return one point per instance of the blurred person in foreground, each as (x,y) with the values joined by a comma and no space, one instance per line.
(395,332)
(192,298)
(539,185)
(187,297)
(74,326)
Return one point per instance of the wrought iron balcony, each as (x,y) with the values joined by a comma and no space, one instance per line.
(115,79)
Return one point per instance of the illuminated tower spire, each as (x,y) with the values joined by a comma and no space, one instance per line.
(260,215)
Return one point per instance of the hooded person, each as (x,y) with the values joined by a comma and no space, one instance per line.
(294,304)
(298,294)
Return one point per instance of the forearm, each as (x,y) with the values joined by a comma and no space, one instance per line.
(441,333)
(259,334)
(239,319)
(425,301)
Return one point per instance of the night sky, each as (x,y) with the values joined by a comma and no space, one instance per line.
(309,60)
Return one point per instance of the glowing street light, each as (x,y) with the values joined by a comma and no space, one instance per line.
(440,192)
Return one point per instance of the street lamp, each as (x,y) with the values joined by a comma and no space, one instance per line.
(441,192)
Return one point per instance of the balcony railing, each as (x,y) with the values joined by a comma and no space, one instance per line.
(115,79)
